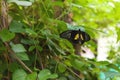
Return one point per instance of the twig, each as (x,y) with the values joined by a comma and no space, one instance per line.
(20,61)
(71,71)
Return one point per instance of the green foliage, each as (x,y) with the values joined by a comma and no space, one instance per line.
(17,48)
(33,36)
(61,68)
(19,75)
(45,74)
(22,56)
(111,74)
(6,35)
(16,27)
(22,3)
(118,32)
(31,76)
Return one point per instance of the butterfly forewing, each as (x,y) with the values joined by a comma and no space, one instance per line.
(66,34)
(76,37)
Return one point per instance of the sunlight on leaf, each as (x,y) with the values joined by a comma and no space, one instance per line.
(18,48)
(22,56)
(22,3)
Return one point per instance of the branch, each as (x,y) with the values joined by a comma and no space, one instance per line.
(18,60)
(77,48)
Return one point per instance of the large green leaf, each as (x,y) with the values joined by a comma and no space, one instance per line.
(102,63)
(61,67)
(32,76)
(29,41)
(71,27)
(18,48)
(16,27)
(19,74)
(6,35)
(22,3)
(78,64)
(31,32)
(22,56)
(45,74)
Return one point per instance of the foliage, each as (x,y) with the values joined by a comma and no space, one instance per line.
(36,52)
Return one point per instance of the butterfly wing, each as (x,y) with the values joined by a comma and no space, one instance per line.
(71,35)
(86,37)
(75,36)
(66,34)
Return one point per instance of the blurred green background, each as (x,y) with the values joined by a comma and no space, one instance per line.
(31,48)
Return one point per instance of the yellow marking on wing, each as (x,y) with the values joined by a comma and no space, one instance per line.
(81,36)
(76,37)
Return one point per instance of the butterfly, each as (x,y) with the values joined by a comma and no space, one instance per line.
(75,36)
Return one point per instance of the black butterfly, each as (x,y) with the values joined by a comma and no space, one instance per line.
(75,36)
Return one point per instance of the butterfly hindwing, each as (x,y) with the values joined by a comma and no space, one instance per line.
(86,37)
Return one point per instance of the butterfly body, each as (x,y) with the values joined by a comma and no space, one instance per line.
(75,36)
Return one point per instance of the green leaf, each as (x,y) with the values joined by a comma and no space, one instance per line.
(77,64)
(61,23)
(22,3)
(111,74)
(32,76)
(19,74)
(61,68)
(18,48)
(72,27)
(31,33)
(6,35)
(22,56)
(68,63)
(31,48)
(45,74)
(53,76)
(16,27)
(103,62)
(39,48)
(29,42)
